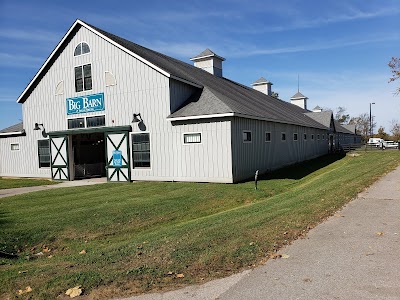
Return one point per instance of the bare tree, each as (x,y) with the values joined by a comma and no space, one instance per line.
(341,116)
(362,124)
(394,66)
(395,130)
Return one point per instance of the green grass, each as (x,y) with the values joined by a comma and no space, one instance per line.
(136,233)
(11,183)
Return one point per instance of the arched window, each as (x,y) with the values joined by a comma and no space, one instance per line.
(81,48)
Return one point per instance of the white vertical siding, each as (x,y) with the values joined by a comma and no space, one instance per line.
(265,156)
(139,89)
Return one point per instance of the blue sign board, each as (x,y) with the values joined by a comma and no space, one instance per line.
(117,158)
(85,104)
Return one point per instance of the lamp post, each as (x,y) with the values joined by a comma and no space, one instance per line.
(370,119)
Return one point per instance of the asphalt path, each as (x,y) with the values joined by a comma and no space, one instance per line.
(355,254)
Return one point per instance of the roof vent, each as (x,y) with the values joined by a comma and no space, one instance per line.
(209,61)
(317,109)
(300,100)
(262,85)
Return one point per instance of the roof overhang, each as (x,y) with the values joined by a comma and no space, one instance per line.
(90,130)
(239,115)
(12,134)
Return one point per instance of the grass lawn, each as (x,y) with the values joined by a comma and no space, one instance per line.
(11,183)
(140,236)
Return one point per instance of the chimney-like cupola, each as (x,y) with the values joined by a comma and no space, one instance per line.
(300,100)
(317,109)
(209,61)
(262,85)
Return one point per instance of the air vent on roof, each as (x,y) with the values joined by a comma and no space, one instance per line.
(262,85)
(209,61)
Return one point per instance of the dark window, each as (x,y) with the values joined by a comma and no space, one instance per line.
(312,137)
(247,136)
(44,153)
(192,138)
(82,48)
(141,150)
(295,137)
(268,136)
(83,78)
(95,121)
(76,123)
(305,136)
(283,136)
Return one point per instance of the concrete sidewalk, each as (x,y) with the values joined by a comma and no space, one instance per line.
(24,190)
(353,255)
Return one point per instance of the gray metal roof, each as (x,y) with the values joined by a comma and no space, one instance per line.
(261,80)
(206,53)
(345,128)
(219,95)
(323,117)
(298,95)
(14,128)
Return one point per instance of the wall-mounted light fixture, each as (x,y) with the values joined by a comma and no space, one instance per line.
(137,118)
(37,127)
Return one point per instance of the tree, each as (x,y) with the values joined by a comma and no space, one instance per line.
(275,95)
(362,124)
(395,130)
(341,115)
(394,66)
(382,134)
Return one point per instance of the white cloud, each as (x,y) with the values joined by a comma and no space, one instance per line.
(20,60)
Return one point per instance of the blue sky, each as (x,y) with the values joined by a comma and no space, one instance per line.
(340,49)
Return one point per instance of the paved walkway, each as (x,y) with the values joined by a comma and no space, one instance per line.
(353,255)
(24,190)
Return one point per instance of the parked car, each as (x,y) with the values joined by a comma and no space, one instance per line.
(390,144)
(374,142)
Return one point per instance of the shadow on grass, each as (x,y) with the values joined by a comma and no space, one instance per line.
(302,169)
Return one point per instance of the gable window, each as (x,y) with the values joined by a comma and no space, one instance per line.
(96,121)
(141,150)
(268,136)
(192,138)
(295,137)
(283,136)
(83,78)
(44,153)
(81,48)
(15,147)
(246,136)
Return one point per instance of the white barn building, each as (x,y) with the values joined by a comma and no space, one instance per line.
(103,106)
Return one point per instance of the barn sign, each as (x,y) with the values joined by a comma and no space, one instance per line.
(85,104)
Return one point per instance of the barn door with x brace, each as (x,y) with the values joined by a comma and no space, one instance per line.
(59,158)
(117,164)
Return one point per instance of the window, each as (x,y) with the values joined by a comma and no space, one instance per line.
(283,136)
(268,136)
(141,150)
(192,138)
(246,136)
(83,78)
(15,147)
(318,137)
(44,153)
(82,48)
(305,136)
(76,123)
(312,137)
(323,137)
(96,121)
(295,137)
